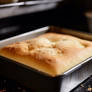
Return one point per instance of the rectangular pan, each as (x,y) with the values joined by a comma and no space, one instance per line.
(38,81)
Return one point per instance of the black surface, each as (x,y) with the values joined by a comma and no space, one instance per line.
(8,85)
(84,86)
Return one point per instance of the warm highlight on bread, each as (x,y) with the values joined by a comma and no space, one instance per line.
(50,53)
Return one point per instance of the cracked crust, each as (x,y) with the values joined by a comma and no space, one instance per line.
(50,53)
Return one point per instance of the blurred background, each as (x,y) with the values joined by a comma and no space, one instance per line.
(26,16)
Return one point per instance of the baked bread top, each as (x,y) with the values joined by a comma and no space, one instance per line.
(50,53)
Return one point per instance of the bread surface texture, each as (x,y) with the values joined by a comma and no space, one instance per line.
(50,53)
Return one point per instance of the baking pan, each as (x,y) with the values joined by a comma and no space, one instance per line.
(11,4)
(26,3)
(21,8)
(85,86)
(38,81)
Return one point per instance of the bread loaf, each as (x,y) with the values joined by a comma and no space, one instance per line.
(50,53)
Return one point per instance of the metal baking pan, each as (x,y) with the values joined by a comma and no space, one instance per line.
(26,3)
(11,4)
(21,8)
(85,86)
(38,81)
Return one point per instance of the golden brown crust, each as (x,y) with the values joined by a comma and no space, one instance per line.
(50,53)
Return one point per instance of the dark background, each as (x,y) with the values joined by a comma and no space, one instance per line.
(69,14)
